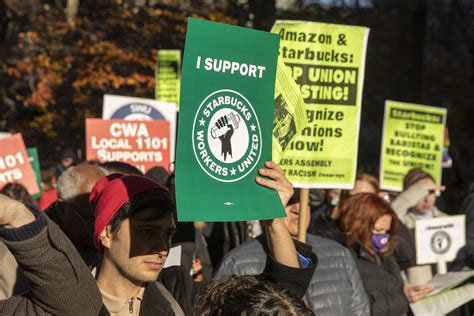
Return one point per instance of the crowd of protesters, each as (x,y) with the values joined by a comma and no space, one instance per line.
(96,242)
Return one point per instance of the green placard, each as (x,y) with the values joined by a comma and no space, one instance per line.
(413,137)
(327,62)
(167,75)
(34,160)
(225,123)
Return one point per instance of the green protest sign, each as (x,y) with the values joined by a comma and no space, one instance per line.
(413,137)
(167,75)
(34,160)
(225,124)
(327,62)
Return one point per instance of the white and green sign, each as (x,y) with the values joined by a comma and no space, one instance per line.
(327,62)
(413,137)
(225,123)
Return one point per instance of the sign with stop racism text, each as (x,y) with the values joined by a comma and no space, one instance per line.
(14,164)
(143,144)
(327,63)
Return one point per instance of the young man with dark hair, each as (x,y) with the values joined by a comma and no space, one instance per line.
(133,223)
(133,227)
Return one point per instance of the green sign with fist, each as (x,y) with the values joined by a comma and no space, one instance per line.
(225,124)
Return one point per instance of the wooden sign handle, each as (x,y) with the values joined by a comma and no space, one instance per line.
(304,214)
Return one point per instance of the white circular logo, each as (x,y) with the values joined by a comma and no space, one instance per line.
(226,136)
(440,242)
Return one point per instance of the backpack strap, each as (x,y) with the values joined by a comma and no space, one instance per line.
(178,311)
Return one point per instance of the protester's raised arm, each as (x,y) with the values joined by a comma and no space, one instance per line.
(289,262)
(280,244)
(279,240)
(60,283)
(409,198)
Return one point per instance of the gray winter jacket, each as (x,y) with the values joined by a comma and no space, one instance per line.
(336,287)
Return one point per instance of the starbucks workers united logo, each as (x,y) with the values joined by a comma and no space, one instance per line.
(226,136)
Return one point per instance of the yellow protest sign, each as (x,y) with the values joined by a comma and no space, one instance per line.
(327,62)
(413,137)
(168,75)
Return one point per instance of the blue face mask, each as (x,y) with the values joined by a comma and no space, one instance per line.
(379,241)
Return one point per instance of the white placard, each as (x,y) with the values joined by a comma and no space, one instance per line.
(131,108)
(442,304)
(441,282)
(439,238)
(5,135)
(174,257)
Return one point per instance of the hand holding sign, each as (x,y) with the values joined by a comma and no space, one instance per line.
(278,183)
(231,121)
(279,240)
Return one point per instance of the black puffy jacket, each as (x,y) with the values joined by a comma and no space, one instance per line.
(383,283)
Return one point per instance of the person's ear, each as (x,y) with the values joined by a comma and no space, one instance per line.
(106,237)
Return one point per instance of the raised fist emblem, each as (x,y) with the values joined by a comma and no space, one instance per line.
(224,129)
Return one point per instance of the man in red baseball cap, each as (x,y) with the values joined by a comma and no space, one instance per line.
(133,228)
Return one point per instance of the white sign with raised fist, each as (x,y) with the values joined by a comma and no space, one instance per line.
(439,238)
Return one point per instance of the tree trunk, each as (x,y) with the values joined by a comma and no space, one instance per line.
(71,9)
